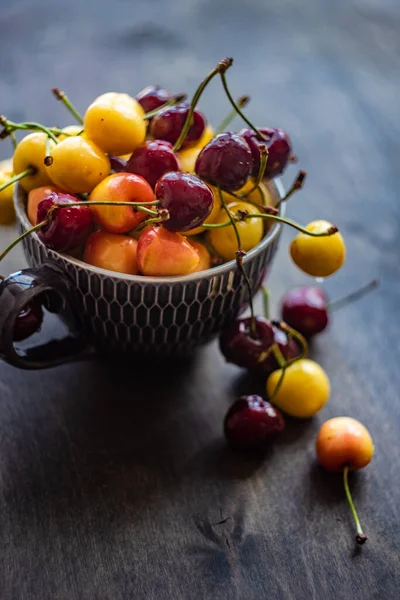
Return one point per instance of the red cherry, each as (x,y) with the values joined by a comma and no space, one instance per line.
(68,227)
(28,321)
(152,159)
(305,309)
(168,124)
(188,200)
(251,423)
(117,163)
(152,97)
(279,150)
(226,161)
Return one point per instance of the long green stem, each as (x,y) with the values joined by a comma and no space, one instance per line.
(175,100)
(241,102)
(361,538)
(298,337)
(221,67)
(26,173)
(296,185)
(328,232)
(10,127)
(238,110)
(13,140)
(60,95)
(263,163)
(21,237)
(265,293)
(137,205)
(335,304)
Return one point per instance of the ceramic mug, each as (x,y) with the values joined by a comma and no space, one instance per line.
(133,314)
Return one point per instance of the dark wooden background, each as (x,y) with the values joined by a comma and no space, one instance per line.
(115,482)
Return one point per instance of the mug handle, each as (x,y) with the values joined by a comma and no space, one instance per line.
(52,286)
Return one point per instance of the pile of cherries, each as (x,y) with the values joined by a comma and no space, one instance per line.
(145,186)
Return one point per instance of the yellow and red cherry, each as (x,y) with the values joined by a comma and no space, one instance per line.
(152,160)
(205,260)
(163,253)
(30,154)
(279,150)
(114,122)
(302,392)
(226,161)
(251,230)
(188,200)
(120,187)
(306,310)
(344,444)
(112,251)
(28,321)
(168,124)
(318,256)
(7,212)
(251,424)
(37,195)
(78,165)
(152,97)
(67,228)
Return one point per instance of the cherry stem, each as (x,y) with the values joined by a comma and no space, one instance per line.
(241,102)
(137,205)
(10,127)
(26,173)
(60,95)
(239,261)
(236,107)
(265,293)
(263,163)
(175,100)
(283,367)
(295,187)
(21,237)
(298,337)
(330,231)
(221,67)
(335,304)
(361,538)
(13,140)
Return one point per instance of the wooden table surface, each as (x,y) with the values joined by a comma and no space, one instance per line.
(115,481)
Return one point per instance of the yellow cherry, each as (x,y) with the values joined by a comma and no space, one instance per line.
(344,441)
(30,153)
(304,390)
(7,213)
(78,165)
(69,131)
(114,122)
(318,256)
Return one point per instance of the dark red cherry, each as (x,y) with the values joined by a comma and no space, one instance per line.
(240,347)
(226,162)
(251,423)
(152,97)
(279,150)
(305,309)
(152,160)
(188,200)
(68,227)
(118,164)
(168,124)
(28,321)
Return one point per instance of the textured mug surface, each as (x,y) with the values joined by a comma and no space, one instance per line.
(150,315)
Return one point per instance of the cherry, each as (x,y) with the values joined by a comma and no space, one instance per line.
(305,309)
(226,162)
(152,159)
(67,227)
(168,124)
(117,163)
(188,200)
(28,321)
(152,97)
(251,423)
(240,347)
(279,150)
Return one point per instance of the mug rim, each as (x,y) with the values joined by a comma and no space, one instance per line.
(278,189)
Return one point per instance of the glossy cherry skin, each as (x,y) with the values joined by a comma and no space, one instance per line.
(188,200)
(226,162)
(28,321)
(152,160)
(68,227)
(305,309)
(279,150)
(239,347)
(152,97)
(168,124)
(251,423)
(118,164)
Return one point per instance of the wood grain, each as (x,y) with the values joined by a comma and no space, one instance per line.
(115,482)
